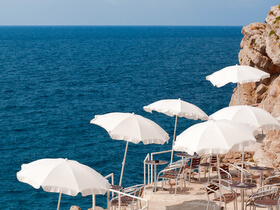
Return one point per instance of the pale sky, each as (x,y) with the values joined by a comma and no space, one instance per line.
(134,12)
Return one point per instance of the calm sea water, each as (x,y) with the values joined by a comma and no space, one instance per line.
(54,80)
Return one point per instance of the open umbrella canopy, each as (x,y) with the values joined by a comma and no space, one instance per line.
(63,176)
(214,137)
(131,127)
(177,107)
(236,74)
(249,115)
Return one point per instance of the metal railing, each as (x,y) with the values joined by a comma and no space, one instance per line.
(135,198)
(110,176)
(120,194)
(150,169)
(108,193)
(146,158)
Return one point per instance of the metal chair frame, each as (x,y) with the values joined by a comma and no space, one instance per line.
(194,164)
(265,192)
(126,201)
(210,162)
(173,171)
(272,180)
(225,171)
(219,196)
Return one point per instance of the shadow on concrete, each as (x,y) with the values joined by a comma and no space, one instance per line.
(193,205)
(184,191)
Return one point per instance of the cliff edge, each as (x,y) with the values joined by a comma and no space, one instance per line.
(260,48)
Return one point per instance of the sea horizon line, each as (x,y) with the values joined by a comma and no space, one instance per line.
(121,26)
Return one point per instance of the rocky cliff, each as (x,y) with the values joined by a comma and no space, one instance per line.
(260,48)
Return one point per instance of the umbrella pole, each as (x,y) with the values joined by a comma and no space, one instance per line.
(108,200)
(238,93)
(219,176)
(242,176)
(175,127)
(59,199)
(123,163)
(93,201)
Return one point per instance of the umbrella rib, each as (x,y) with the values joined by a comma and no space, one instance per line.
(221,133)
(68,169)
(50,173)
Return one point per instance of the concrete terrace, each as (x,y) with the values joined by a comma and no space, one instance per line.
(193,196)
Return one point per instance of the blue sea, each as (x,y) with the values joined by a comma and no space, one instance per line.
(54,80)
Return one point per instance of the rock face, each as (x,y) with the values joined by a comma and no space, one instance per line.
(233,156)
(75,208)
(260,48)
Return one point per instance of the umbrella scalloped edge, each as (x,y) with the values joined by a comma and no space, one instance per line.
(71,192)
(136,141)
(28,181)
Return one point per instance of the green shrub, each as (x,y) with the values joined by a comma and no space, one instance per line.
(271,32)
(277,19)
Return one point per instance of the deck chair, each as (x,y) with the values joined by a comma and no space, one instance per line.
(246,170)
(275,172)
(262,193)
(175,172)
(193,167)
(225,195)
(210,162)
(127,201)
(231,173)
(272,180)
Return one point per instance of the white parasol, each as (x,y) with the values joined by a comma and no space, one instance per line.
(215,137)
(253,116)
(63,176)
(178,108)
(131,128)
(239,74)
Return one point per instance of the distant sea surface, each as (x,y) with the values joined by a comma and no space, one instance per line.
(54,80)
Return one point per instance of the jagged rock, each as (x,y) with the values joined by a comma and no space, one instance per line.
(271,156)
(229,155)
(275,147)
(261,159)
(246,95)
(273,46)
(261,49)
(267,144)
(261,89)
(272,14)
(237,155)
(272,102)
(232,161)
(260,45)
(75,208)
(273,34)
(224,160)
(254,28)
(273,135)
